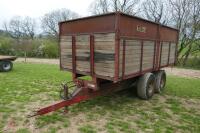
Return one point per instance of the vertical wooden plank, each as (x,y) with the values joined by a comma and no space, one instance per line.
(154,56)
(74,57)
(141,58)
(92,55)
(123,60)
(59,45)
(117,48)
(169,53)
(160,54)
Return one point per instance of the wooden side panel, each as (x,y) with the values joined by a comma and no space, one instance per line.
(164,54)
(172,53)
(83,53)
(148,55)
(104,45)
(121,58)
(66,51)
(132,56)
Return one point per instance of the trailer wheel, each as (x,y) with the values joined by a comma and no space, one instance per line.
(160,81)
(6,66)
(146,86)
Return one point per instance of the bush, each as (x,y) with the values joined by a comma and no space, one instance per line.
(193,63)
(50,49)
(41,48)
(6,46)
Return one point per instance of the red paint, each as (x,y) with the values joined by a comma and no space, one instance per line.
(117,46)
(169,53)
(59,47)
(154,55)
(61,104)
(141,57)
(74,57)
(92,55)
(123,58)
(160,57)
(137,74)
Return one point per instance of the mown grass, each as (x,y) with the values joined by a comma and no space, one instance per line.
(183,87)
(36,85)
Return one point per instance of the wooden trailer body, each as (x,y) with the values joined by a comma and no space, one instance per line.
(115,46)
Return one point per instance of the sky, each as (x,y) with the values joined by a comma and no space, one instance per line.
(37,8)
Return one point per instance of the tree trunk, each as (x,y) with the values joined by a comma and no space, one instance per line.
(187,54)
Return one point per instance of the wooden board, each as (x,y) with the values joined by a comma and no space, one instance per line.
(148,55)
(164,54)
(104,54)
(104,48)
(172,53)
(66,51)
(120,58)
(83,53)
(132,56)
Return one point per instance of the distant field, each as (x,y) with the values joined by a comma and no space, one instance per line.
(30,86)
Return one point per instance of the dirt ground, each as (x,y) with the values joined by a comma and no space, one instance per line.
(38,60)
(170,70)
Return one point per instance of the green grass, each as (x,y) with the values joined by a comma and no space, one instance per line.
(87,129)
(183,87)
(30,86)
(23,130)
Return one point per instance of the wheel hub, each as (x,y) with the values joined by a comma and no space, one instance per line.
(151,88)
(6,66)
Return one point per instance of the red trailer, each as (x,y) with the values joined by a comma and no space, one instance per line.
(116,50)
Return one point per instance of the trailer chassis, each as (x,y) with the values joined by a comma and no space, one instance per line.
(83,90)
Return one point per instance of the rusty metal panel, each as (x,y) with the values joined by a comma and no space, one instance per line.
(137,28)
(89,25)
(167,34)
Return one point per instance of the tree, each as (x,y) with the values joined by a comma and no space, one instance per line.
(14,27)
(50,20)
(105,6)
(100,7)
(28,27)
(155,10)
(19,27)
(185,14)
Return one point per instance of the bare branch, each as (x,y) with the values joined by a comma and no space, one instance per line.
(50,20)
(105,6)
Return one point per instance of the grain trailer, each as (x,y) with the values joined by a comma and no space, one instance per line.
(115,50)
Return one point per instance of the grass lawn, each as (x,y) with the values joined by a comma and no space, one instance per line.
(30,86)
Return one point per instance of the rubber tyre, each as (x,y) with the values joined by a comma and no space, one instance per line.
(146,86)
(160,81)
(6,66)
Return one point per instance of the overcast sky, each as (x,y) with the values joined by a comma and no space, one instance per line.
(37,8)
